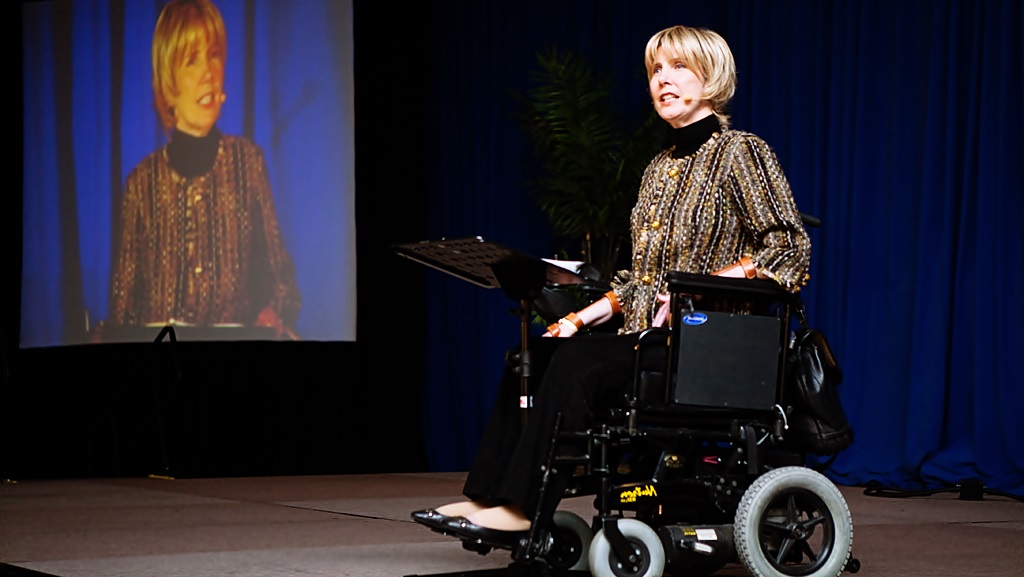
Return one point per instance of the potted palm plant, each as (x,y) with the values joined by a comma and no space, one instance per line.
(590,156)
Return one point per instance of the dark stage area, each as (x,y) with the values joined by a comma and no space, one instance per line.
(208,409)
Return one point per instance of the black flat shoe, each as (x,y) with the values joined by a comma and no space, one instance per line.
(432,519)
(467,531)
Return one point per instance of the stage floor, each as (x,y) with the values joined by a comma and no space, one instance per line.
(359,525)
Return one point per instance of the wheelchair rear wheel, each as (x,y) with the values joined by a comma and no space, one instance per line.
(793,521)
(650,553)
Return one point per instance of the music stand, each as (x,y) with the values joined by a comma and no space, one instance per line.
(520,276)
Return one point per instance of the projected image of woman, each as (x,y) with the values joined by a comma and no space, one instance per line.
(200,242)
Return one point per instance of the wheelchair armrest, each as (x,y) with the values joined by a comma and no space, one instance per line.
(719,286)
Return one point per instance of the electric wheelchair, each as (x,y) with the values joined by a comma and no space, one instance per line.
(695,471)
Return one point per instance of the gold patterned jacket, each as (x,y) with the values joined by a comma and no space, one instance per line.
(703,212)
(202,250)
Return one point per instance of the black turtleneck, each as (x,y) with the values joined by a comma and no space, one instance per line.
(690,137)
(192,156)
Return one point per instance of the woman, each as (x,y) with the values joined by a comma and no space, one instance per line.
(715,202)
(199,243)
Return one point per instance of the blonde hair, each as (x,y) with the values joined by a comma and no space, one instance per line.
(706,53)
(181,26)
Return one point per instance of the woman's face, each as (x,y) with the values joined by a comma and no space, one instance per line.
(676,91)
(199,78)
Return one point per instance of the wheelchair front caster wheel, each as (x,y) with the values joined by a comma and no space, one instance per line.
(648,559)
(570,545)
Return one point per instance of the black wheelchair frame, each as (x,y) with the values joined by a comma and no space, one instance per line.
(687,489)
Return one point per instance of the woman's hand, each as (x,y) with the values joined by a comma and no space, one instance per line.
(566,326)
(268,318)
(559,331)
(745,268)
(593,314)
(733,271)
(664,315)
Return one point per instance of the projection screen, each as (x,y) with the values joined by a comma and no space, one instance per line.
(129,226)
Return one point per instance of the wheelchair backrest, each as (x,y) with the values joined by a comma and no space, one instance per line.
(727,360)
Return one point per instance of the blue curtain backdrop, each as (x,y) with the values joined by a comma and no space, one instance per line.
(89,119)
(899,124)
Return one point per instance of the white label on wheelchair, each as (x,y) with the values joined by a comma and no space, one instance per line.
(702,548)
(526,401)
(707,535)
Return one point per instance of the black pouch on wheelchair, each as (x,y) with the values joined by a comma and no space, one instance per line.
(727,360)
(818,424)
